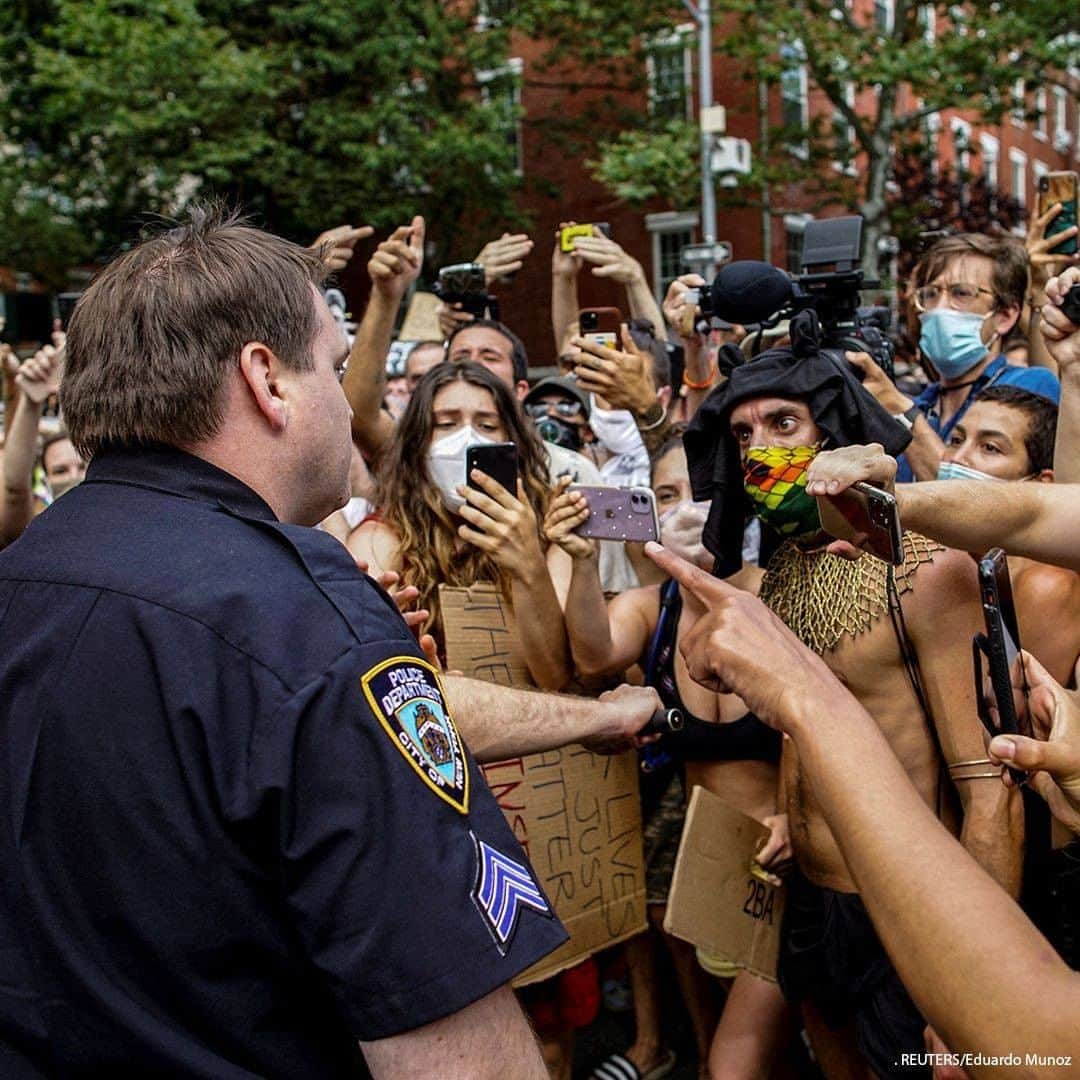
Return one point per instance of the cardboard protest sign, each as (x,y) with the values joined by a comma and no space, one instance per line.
(577,814)
(421,320)
(716,901)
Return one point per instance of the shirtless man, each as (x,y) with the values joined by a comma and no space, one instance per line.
(778,412)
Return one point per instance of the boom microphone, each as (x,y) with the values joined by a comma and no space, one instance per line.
(749,292)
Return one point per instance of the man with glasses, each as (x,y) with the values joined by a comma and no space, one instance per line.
(968,292)
(560,410)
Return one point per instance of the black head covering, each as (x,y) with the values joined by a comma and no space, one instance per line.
(847,414)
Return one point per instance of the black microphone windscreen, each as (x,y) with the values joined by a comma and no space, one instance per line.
(749,292)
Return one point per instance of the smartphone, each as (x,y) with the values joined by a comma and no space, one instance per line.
(867,515)
(619,513)
(1002,641)
(462,279)
(498,460)
(601,325)
(1060,187)
(569,233)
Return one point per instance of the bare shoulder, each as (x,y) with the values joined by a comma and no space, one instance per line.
(943,592)
(641,604)
(1044,588)
(377,544)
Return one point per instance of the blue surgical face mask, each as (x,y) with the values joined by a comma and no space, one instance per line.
(953,470)
(952,341)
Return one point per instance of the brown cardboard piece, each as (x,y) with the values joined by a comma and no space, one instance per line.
(716,902)
(577,814)
(421,321)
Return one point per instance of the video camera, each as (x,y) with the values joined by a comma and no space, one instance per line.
(829,285)
(466,284)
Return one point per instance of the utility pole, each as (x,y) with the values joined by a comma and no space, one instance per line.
(701,12)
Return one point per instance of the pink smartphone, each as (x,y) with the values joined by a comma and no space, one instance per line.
(619,513)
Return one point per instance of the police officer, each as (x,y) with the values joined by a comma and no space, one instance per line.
(240,831)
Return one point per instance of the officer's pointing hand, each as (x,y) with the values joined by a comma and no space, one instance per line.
(739,646)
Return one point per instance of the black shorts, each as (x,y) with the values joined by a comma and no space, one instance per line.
(830,956)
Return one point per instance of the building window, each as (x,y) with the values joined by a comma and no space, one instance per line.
(928,22)
(991,155)
(492,12)
(500,89)
(794,230)
(794,93)
(883,15)
(931,128)
(1018,176)
(1042,124)
(1019,96)
(844,135)
(671,232)
(668,64)
(1062,137)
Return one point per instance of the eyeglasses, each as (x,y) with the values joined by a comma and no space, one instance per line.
(567,409)
(961,295)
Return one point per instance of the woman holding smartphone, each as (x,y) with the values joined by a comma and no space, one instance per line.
(435,525)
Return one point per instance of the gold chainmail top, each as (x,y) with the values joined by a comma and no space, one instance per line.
(821,597)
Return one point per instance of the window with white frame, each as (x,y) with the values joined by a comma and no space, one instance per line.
(991,156)
(500,89)
(1018,167)
(1042,123)
(667,61)
(794,91)
(928,22)
(794,231)
(961,136)
(670,232)
(883,15)
(1019,96)
(931,128)
(492,12)
(1062,135)
(844,134)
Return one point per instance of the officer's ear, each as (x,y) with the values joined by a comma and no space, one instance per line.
(259,367)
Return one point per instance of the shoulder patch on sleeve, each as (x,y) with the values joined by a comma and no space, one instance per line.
(503,887)
(406,695)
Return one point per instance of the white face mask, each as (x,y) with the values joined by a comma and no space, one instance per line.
(615,429)
(446,463)
(680,532)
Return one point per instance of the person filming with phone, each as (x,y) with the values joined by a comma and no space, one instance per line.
(439,522)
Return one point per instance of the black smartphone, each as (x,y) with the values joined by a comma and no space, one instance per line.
(1002,641)
(498,460)
(868,516)
(601,325)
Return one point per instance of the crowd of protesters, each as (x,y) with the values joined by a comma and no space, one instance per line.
(933,901)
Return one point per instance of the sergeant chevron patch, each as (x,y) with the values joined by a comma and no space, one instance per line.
(503,887)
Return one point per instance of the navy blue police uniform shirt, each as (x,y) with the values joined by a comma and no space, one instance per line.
(239,831)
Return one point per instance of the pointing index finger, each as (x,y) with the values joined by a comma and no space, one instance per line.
(706,588)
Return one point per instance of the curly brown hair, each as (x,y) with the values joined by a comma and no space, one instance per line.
(430,551)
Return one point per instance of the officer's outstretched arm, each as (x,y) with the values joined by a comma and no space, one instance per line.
(499,722)
(487,1040)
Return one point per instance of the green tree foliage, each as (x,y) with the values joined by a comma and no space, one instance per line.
(902,69)
(308,112)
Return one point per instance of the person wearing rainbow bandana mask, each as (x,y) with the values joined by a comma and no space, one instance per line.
(749,449)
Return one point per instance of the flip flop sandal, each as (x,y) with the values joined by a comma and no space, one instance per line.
(619,1067)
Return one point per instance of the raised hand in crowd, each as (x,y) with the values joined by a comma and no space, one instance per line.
(565,267)
(503,257)
(37,378)
(1051,756)
(1061,337)
(566,511)
(623,379)
(504,526)
(393,268)
(451,317)
(338,245)
(398,260)
(1044,261)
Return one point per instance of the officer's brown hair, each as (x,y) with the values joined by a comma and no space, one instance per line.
(153,339)
(1010,274)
